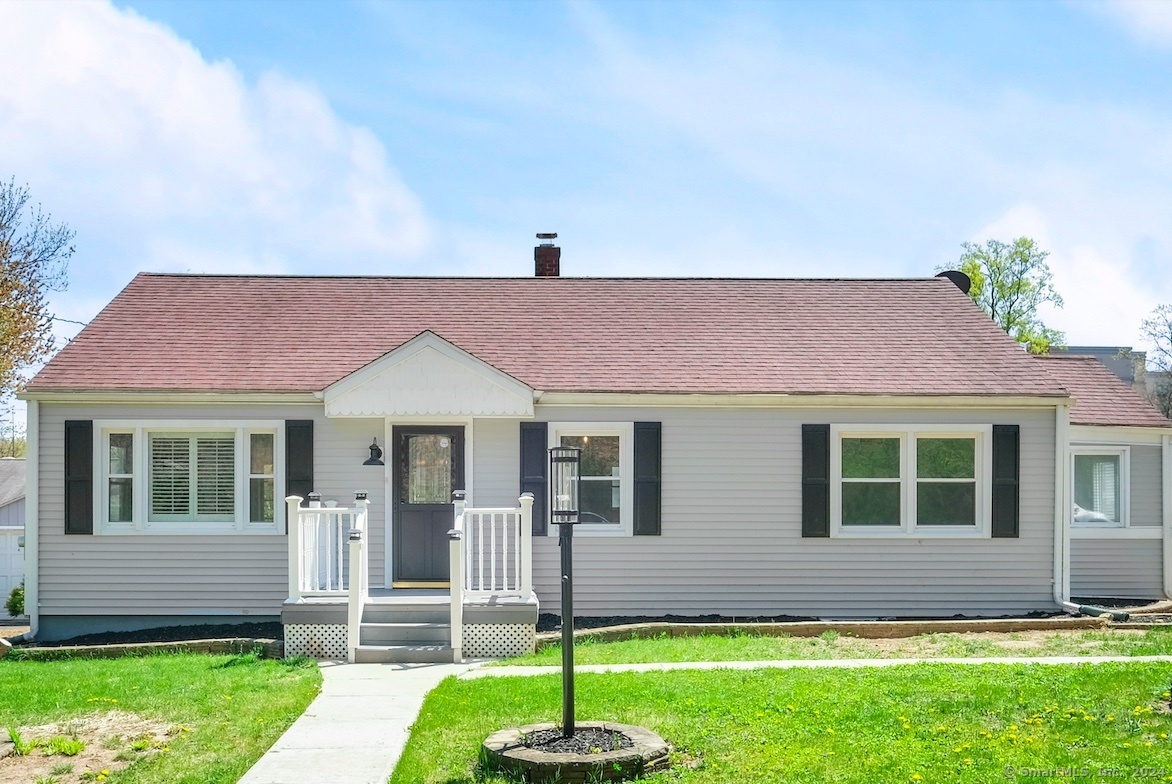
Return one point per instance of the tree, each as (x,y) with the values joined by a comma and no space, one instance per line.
(1157,328)
(34,256)
(1010,283)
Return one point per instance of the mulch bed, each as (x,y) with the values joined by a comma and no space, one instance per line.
(271,631)
(548,622)
(587,740)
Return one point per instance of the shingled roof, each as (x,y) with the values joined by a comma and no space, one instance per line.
(1100,397)
(11,479)
(732,336)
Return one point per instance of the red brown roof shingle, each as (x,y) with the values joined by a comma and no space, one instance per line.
(1100,397)
(735,336)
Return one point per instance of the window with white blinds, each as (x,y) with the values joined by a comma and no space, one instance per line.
(192,477)
(184,476)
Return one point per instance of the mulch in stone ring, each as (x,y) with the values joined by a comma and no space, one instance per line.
(598,751)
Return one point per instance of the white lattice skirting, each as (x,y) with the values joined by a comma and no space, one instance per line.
(492,640)
(316,640)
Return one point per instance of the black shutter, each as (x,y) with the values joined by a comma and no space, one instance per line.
(1006,480)
(815,480)
(534,467)
(299,457)
(648,474)
(79,476)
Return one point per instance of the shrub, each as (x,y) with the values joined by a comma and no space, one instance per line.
(15,603)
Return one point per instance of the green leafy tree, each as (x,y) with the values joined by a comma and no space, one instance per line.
(1010,283)
(34,256)
(1157,328)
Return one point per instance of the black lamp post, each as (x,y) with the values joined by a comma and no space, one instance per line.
(563,491)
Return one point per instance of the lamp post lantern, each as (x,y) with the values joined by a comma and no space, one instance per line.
(564,463)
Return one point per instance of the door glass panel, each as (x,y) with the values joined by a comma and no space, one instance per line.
(425,475)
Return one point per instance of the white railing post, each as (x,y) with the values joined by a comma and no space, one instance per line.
(525,579)
(456,576)
(293,529)
(356,584)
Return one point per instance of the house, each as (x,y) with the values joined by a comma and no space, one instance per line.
(829,448)
(11,524)
(1119,473)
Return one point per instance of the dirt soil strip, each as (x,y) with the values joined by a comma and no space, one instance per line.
(270,649)
(864,629)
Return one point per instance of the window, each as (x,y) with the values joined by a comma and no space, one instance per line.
(1100,487)
(910,479)
(605,488)
(188,477)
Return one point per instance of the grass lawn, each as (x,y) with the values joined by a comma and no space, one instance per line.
(917,723)
(234,707)
(831,645)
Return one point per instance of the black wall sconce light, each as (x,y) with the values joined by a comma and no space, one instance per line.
(376,455)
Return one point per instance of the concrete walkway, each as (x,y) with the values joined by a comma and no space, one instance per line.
(355,730)
(507,671)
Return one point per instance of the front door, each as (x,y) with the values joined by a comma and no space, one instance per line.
(428,466)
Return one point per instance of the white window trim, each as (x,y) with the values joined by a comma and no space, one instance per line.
(626,433)
(141,430)
(982,434)
(1124,455)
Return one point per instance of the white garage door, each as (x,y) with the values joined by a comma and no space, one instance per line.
(11,563)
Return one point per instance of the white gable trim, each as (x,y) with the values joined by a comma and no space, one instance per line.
(428,376)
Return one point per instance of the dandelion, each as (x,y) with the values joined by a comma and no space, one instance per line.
(917,777)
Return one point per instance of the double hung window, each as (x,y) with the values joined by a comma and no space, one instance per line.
(1100,487)
(919,480)
(605,487)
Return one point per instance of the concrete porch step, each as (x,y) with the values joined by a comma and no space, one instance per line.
(404,633)
(403,654)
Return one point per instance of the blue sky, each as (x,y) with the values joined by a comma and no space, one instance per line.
(678,139)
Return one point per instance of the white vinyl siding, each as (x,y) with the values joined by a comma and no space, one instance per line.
(731,540)
(1116,568)
(245,574)
(1147,498)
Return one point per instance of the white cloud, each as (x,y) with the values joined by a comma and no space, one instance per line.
(1149,21)
(162,160)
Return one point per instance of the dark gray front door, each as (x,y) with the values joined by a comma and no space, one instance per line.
(428,465)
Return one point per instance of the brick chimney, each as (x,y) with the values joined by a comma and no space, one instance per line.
(547,257)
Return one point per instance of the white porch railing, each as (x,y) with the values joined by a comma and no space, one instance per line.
(321,552)
(490,555)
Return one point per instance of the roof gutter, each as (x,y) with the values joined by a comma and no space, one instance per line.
(164,396)
(772,400)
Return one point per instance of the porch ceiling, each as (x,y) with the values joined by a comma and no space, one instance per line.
(428,376)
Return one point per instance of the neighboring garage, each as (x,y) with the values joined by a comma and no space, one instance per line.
(11,525)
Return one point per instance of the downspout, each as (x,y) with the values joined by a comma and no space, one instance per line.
(1061,502)
(1166,464)
(32,497)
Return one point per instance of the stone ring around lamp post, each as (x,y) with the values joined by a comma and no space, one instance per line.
(641,752)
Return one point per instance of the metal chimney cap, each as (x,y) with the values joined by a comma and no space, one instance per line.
(547,237)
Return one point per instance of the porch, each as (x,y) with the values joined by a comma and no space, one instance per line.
(487,609)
